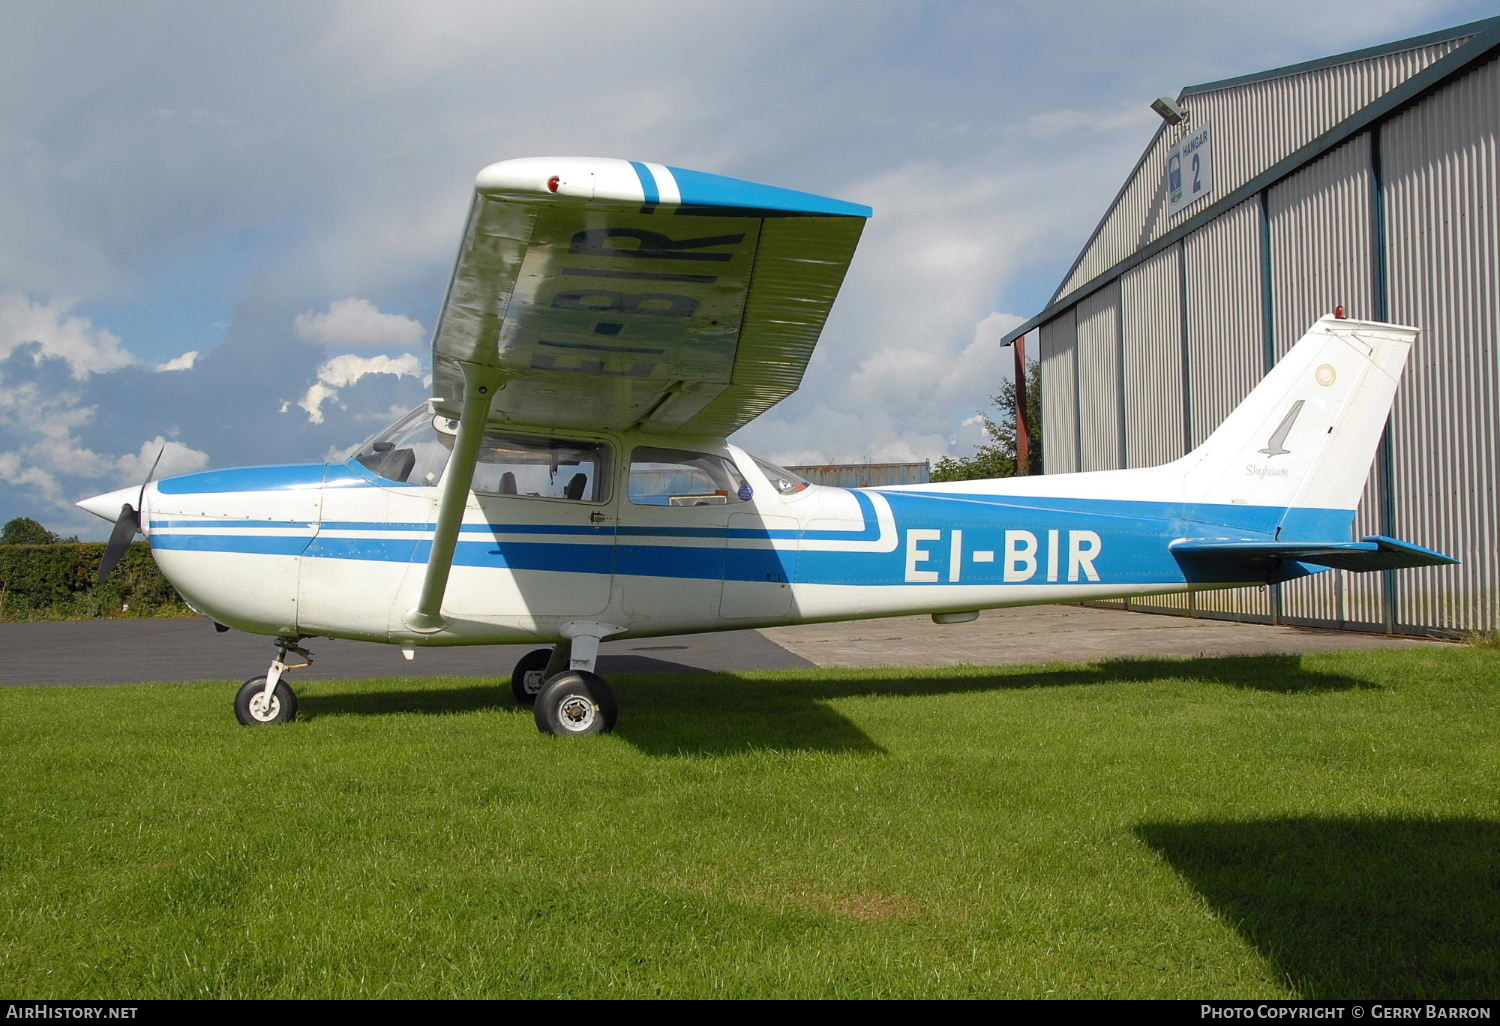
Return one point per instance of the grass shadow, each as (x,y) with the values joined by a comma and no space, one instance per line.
(435,700)
(440,698)
(672,709)
(709,714)
(1354,908)
(1280,674)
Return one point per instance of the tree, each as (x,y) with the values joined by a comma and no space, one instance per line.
(998,457)
(25,531)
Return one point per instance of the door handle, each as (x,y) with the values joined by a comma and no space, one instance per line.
(597,517)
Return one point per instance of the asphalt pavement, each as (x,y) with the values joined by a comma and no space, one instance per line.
(132,651)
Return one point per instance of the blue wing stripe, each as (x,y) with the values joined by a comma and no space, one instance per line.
(648,181)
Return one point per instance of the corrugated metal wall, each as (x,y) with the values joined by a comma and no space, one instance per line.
(1155,394)
(1254,126)
(1224,275)
(1099,392)
(1439,166)
(1154,375)
(1198,313)
(1225,318)
(1058,342)
(1322,227)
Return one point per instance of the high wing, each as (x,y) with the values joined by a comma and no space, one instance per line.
(613,294)
(617,294)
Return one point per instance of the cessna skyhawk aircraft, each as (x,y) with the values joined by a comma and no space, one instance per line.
(608,325)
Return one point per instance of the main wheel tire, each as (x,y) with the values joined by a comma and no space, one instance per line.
(252,709)
(574,703)
(530,674)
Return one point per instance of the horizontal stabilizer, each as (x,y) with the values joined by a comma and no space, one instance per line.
(1375,552)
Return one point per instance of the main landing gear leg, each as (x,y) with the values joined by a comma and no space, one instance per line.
(575,700)
(270,699)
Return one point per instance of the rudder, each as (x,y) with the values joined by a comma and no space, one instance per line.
(1306,435)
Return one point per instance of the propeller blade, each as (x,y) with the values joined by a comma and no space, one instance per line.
(126,526)
(140,500)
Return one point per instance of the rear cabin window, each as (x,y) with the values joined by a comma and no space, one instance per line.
(680,477)
(782,479)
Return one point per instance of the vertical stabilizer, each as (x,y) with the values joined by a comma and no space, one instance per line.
(1306,435)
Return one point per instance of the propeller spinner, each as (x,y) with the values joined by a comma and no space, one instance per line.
(127,523)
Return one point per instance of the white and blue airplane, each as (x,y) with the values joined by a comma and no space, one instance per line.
(608,325)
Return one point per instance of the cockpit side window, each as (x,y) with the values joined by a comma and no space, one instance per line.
(542,468)
(415,450)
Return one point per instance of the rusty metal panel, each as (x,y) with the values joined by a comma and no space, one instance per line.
(865,475)
(1155,394)
(1058,342)
(1439,168)
(1099,380)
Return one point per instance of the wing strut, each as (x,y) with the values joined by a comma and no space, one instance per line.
(480,385)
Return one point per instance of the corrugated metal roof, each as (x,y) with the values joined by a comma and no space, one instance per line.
(1266,127)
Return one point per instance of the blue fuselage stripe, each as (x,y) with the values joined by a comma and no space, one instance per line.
(973,540)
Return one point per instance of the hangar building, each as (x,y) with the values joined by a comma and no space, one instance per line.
(1367,180)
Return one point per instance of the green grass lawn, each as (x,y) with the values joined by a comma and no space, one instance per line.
(1316,826)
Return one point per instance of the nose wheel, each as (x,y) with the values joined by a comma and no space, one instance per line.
(254,708)
(270,699)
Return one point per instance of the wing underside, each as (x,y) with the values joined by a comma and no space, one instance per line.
(611,294)
(604,304)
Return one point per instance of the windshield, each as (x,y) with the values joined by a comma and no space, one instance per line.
(414,450)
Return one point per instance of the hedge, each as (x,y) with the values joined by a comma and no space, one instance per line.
(56,582)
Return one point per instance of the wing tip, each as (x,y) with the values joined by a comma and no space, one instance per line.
(611,180)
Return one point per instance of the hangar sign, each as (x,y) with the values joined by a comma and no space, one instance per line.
(1190,170)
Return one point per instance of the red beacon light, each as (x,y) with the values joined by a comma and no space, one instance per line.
(555,181)
(1338,311)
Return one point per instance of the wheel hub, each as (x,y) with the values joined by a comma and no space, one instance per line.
(577,713)
(264,709)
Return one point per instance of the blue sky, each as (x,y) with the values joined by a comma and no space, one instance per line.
(229,228)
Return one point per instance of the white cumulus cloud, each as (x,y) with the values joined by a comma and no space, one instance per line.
(344,371)
(180,363)
(176,458)
(87,350)
(357,324)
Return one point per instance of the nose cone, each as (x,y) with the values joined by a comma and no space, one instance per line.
(107,505)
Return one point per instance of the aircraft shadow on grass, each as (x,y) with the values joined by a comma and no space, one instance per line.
(722,713)
(1353,908)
